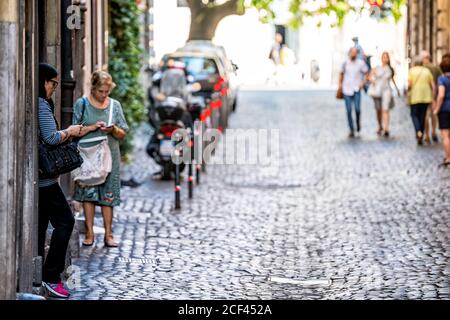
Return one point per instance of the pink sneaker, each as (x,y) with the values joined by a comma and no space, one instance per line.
(56,290)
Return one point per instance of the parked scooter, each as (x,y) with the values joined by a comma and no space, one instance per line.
(170,113)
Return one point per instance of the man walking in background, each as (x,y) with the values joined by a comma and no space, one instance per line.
(351,81)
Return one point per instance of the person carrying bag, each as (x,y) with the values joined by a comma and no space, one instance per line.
(98,179)
(420,95)
(381,92)
(57,155)
(97,161)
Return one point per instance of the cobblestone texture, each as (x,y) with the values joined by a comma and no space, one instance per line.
(371,215)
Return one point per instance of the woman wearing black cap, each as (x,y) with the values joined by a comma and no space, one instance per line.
(53,206)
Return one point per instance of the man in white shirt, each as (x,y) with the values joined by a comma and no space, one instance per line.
(353,74)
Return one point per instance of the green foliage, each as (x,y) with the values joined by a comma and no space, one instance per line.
(301,9)
(126,56)
(339,9)
(264,6)
(393,8)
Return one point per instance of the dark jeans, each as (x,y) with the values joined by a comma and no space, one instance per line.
(350,101)
(418,114)
(53,208)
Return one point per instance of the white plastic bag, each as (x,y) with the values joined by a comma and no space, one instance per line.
(374,91)
(96,167)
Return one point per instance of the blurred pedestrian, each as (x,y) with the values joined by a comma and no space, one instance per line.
(431,117)
(275,51)
(362,56)
(442,107)
(381,92)
(353,74)
(275,56)
(53,206)
(361,53)
(420,96)
(97,109)
(287,61)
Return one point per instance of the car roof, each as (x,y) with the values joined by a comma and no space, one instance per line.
(220,51)
(192,53)
(208,48)
(203,43)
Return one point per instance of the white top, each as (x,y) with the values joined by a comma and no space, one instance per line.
(382,78)
(354,72)
(104,137)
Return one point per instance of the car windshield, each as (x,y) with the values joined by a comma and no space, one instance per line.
(199,66)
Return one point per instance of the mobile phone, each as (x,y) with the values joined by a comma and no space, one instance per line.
(107,126)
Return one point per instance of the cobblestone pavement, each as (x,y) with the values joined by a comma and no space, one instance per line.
(366,219)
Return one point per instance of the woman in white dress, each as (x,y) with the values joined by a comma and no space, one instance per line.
(381,92)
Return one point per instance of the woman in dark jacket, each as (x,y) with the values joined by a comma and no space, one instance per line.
(53,206)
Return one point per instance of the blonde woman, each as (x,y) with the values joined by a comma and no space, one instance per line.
(91,110)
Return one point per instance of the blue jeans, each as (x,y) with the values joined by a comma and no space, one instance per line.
(349,102)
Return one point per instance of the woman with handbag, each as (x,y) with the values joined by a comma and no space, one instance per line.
(98,180)
(420,95)
(53,206)
(381,92)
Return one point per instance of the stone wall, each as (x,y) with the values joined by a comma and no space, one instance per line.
(428,27)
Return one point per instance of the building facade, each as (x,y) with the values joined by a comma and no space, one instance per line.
(72,35)
(428,27)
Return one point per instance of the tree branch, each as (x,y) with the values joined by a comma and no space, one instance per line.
(194,5)
(228,8)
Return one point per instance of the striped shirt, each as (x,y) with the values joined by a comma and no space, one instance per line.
(48,131)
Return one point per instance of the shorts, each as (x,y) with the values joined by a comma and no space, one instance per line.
(444,120)
(383,103)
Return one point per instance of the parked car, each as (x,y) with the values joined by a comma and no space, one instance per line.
(207,69)
(229,67)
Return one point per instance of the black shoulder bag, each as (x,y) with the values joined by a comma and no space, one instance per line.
(60,159)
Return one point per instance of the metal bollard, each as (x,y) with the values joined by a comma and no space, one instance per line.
(190,170)
(177,182)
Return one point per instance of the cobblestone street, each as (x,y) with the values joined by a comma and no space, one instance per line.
(367,218)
